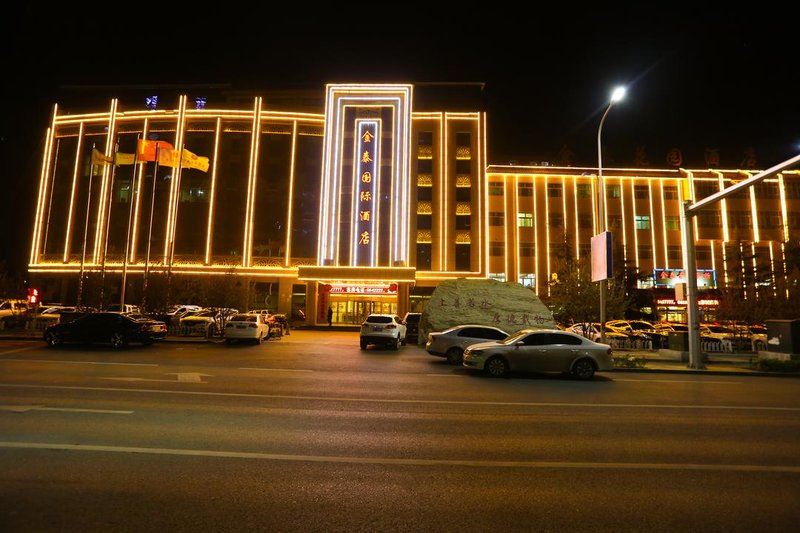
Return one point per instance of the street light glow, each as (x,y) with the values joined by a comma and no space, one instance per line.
(618,94)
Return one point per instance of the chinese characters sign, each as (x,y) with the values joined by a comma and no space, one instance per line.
(668,277)
(366,192)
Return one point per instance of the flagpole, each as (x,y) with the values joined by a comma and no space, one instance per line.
(86,228)
(128,235)
(108,226)
(174,206)
(149,235)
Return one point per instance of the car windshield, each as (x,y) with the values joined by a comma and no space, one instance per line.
(514,337)
(243,318)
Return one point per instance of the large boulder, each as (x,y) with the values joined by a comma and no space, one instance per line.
(508,306)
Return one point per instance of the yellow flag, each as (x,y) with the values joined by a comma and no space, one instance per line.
(98,158)
(124,159)
(190,160)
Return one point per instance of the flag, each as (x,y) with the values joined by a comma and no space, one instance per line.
(146,150)
(98,158)
(121,158)
(169,157)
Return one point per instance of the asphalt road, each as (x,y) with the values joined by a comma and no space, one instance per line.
(309,433)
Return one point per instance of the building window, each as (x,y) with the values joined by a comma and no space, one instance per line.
(528,280)
(702,253)
(463,222)
(496,248)
(645,251)
(705,188)
(424,166)
(673,252)
(496,218)
(425,138)
(645,283)
(641,192)
(670,192)
(497,276)
(424,194)
(642,221)
(791,189)
(556,220)
(585,220)
(463,194)
(672,223)
(584,250)
(709,219)
(767,190)
(462,257)
(613,191)
(769,220)
(194,194)
(424,256)
(558,250)
(742,219)
(525,189)
(123,187)
(463,166)
(615,221)
(584,190)
(463,138)
(793,219)
(525,220)
(527,249)
(424,221)
(554,190)
(495,188)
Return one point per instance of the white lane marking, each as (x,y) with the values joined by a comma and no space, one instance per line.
(679,381)
(275,369)
(141,379)
(421,402)
(403,462)
(191,377)
(447,375)
(73,362)
(26,408)
(17,350)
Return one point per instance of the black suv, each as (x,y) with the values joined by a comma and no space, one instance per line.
(411,321)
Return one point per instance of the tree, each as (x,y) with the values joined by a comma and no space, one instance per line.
(574,297)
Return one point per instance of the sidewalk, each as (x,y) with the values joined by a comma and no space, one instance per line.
(717,364)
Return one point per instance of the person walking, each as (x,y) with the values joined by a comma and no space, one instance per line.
(330,317)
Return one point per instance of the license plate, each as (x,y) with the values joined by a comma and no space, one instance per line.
(377,328)
(240,327)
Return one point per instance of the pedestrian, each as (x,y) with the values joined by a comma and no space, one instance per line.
(330,317)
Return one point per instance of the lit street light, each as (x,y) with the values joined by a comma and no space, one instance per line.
(616,96)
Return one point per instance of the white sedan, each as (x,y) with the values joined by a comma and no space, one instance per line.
(543,350)
(247,327)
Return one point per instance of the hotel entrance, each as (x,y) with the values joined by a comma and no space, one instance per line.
(353,311)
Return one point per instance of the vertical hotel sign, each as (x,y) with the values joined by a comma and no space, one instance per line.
(366,193)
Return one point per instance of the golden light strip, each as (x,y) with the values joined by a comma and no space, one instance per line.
(291,196)
(783,262)
(511,274)
(72,194)
(595,214)
(713,258)
(664,224)
(635,225)
(482,192)
(485,199)
(445,193)
(104,209)
(784,213)
(173,186)
(753,209)
(43,180)
(577,225)
(322,223)
(653,224)
(564,232)
(212,200)
(140,170)
(623,222)
(546,227)
(442,192)
(772,267)
(536,234)
(255,133)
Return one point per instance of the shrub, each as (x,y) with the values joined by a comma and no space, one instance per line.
(776,365)
(629,361)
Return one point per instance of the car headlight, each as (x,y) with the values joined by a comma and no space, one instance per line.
(474,353)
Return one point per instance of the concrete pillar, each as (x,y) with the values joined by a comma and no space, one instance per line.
(285,296)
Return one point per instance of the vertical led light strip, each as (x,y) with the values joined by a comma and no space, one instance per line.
(723,208)
(577,225)
(546,224)
(291,196)
(446,192)
(323,232)
(564,211)
(635,225)
(623,222)
(402,212)
(772,267)
(212,200)
(653,223)
(485,198)
(72,194)
(100,236)
(135,228)
(664,223)
(754,211)
(595,214)
(251,184)
(515,244)
(366,191)
(175,185)
(442,192)
(713,259)
(482,193)
(536,234)
(43,180)
(784,214)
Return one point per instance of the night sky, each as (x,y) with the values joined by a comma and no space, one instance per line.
(698,78)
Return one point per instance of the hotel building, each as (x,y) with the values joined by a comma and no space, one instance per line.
(365,203)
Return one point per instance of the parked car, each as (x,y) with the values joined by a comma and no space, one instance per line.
(124,308)
(550,350)
(53,313)
(247,326)
(452,342)
(204,322)
(387,330)
(411,320)
(115,328)
(177,311)
(591,330)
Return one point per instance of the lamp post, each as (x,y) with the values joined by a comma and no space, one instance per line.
(616,96)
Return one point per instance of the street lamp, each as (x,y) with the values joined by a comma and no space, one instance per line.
(616,96)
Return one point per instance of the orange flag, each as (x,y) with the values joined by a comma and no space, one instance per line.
(146,150)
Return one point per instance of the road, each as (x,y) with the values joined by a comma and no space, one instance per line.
(309,433)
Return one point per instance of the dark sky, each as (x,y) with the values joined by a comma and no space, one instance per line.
(698,78)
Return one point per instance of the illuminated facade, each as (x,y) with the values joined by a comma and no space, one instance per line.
(364,205)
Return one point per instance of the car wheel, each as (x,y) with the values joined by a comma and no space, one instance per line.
(396,344)
(259,339)
(455,356)
(403,342)
(118,340)
(496,367)
(363,345)
(53,339)
(583,369)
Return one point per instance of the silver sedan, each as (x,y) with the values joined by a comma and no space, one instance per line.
(546,350)
(451,343)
